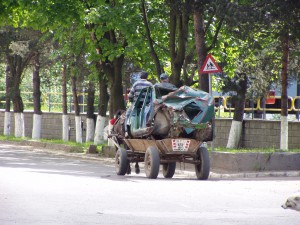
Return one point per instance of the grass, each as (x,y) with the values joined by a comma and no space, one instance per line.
(11,138)
(83,146)
(86,145)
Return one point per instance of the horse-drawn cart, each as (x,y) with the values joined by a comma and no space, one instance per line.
(164,130)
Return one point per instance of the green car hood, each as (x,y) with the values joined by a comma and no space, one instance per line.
(199,101)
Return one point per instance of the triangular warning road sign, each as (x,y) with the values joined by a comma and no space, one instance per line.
(210,65)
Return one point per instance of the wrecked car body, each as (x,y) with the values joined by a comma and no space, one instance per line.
(172,122)
(167,113)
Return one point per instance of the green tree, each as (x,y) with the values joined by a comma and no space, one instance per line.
(21,50)
(208,18)
(260,30)
(244,54)
(283,19)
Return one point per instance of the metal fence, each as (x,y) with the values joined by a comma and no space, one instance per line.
(51,101)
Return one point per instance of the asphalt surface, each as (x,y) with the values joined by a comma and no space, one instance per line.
(50,187)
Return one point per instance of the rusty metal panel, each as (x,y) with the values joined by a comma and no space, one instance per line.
(140,145)
(164,146)
(167,145)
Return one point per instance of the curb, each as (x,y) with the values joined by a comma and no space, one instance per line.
(180,171)
(248,175)
(57,149)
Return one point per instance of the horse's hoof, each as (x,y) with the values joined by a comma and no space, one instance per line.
(137,168)
(128,169)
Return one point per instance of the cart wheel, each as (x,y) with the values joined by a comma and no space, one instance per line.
(121,161)
(152,162)
(202,169)
(169,169)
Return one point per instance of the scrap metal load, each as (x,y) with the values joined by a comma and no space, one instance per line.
(168,113)
(163,127)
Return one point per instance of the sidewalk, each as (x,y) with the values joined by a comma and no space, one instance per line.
(185,170)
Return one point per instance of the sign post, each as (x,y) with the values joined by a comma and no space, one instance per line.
(210,66)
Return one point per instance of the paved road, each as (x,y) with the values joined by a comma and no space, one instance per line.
(37,188)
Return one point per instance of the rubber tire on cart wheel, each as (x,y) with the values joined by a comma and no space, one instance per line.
(202,169)
(152,162)
(121,161)
(169,169)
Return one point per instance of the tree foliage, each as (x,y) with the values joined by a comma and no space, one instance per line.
(107,37)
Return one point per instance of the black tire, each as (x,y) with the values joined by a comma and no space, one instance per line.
(121,161)
(152,162)
(202,169)
(169,169)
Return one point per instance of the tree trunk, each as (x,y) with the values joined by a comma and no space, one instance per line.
(200,45)
(19,125)
(113,72)
(118,95)
(18,111)
(37,126)
(234,134)
(16,68)
(189,74)
(78,129)
(90,129)
(64,90)
(102,108)
(65,127)
(75,97)
(179,24)
(78,126)
(7,123)
(36,81)
(284,96)
(237,122)
(16,72)
(65,117)
(37,118)
(90,123)
(7,119)
(17,64)
(99,131)
(116,91)
(103,95)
